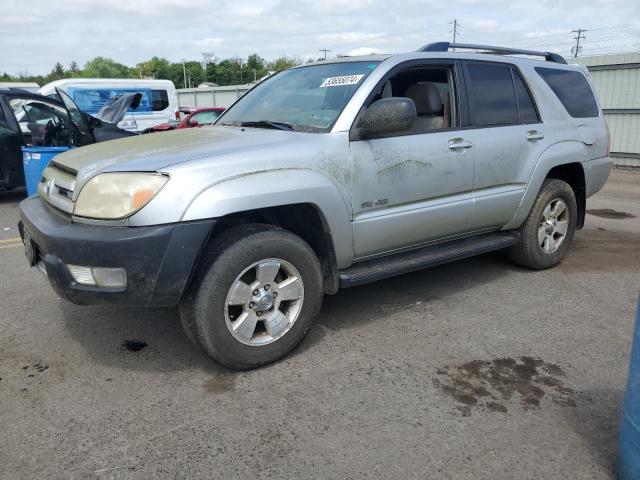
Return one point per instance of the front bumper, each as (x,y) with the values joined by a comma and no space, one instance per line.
(158,259)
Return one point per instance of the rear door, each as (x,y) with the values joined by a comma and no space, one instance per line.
(509,139)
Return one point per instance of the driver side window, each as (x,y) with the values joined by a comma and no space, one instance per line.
(432,92)
(41,123)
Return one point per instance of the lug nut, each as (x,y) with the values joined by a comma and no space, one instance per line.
(275,294)
(259,313)
(267,287)
(255,293)
(251,304)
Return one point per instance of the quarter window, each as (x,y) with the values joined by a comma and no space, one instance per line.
(526,110)
(159,100)
(573,91)
(492,98)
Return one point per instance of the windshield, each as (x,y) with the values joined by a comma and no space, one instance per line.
(307,99)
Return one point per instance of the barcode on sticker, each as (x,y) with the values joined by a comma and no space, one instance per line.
(343,80)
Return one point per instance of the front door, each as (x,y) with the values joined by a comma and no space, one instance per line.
(416,186)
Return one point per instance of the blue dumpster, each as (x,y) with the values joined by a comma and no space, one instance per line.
(35,160)
(629,454)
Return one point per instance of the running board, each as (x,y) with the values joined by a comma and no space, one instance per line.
(409,261)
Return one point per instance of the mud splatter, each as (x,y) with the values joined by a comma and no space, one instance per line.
(492,385)
(133,345)
(610,214)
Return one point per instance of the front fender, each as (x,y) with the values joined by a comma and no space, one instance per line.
(557,154)
(277,188)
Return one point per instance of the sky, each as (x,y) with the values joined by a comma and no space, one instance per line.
(34,34)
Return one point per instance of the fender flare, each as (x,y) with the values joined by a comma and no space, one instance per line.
(561,153)
(277,188)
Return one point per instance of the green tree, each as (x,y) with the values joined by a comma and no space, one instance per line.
(282,63)
(74,70)
(102,67)
(155,68)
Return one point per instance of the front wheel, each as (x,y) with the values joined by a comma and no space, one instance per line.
(547,233)
(256,295)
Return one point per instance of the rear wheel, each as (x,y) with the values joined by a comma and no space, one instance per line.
(547,233)
(255,297)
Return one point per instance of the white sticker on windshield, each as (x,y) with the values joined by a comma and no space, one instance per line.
(343,80)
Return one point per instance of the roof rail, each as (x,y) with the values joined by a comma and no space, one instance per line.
(445,46)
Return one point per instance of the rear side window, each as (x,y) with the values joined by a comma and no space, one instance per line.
(159,100)
(526,110)
(573,91)
(492,98)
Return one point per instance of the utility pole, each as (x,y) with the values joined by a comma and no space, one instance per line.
(456,26)
(184,74)
(324,50)
(577,38)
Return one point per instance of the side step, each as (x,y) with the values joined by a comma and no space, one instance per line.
(409,261)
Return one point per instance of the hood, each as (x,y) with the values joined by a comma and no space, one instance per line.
(114,109)
(154,152)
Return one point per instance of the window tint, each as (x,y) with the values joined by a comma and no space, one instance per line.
(526,110)
(492,99)
(572,89)
(159,100)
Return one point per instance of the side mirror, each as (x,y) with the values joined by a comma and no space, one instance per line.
(386,116)
(94,122)
(192,123)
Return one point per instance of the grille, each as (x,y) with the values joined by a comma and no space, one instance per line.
(57,185)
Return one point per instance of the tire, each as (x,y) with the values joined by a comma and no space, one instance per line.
(218,311)
(535,252)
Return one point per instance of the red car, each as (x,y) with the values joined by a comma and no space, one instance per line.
(194,117)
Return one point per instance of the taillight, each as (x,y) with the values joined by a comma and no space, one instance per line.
(608,139)
(178,115)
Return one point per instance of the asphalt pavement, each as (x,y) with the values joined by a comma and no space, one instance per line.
(477,369)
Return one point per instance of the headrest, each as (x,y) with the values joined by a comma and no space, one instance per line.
(426,97)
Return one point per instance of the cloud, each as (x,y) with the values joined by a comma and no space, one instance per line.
(486,24)
(131,31)
(363,51)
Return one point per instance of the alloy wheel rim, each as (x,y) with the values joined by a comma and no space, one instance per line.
(264,302)
(553,225)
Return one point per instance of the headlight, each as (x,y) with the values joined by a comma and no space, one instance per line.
(111,196)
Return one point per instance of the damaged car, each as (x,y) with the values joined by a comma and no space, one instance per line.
(31,120)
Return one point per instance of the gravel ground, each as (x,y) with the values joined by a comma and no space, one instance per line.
(473,370)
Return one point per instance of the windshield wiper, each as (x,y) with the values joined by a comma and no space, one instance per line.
(268,124)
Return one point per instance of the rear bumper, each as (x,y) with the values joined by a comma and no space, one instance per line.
(158,259)
(596,174)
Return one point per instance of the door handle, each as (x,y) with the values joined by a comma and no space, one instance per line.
(534,135)
(456,143)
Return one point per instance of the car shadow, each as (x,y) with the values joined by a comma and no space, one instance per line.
(13,196)
(103,331)
(596,419)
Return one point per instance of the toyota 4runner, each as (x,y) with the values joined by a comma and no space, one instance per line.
(324,176)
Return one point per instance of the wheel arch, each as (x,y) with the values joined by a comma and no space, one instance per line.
(562,160)
(303,202)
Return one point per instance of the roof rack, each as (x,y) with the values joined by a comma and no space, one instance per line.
(445,46)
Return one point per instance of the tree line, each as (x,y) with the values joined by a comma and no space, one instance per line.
(230,71)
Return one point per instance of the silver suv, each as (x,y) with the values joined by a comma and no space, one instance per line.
(323,176)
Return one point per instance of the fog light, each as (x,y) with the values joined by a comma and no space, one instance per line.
(110,277)
(98,276)
(82,275)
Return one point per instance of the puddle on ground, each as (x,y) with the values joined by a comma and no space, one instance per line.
(493,385)
(610,214)
(603,251)
(133,345)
